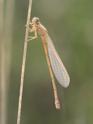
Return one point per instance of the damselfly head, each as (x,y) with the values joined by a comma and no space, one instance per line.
(35,20)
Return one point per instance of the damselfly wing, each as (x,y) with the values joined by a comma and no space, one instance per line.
(57,65)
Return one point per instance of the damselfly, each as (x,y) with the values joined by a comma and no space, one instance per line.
(55,65)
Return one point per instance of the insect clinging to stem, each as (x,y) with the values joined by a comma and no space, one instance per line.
(55,65)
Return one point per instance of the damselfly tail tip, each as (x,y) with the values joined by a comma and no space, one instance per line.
(57,105)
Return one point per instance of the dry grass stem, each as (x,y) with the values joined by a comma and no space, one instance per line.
(23,64)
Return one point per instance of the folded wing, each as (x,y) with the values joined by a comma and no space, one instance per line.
(58,68)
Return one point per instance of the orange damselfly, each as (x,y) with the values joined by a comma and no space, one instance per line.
(55,65)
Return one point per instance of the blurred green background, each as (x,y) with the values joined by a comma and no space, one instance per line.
(70,25)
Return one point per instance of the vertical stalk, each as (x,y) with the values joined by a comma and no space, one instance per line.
(23,63)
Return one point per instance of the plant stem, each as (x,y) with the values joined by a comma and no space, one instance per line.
(23,64)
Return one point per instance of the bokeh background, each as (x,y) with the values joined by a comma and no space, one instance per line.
(70,25)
